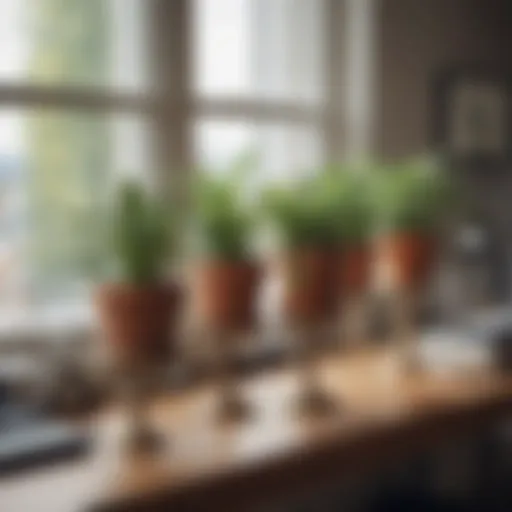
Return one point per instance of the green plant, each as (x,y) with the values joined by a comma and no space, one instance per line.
(412,196)
(140,235)
(354,211)
(328,210)
(303,214)
(224,219)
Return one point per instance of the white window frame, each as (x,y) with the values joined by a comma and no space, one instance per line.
(163,108)
(170,107)
(326,118)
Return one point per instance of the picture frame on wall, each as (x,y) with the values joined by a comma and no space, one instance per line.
(472,126)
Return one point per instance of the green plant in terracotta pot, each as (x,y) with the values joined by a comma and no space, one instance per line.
(355,219)
(355,223)
(302,218)
(413,198)
(226,276)
(138,304)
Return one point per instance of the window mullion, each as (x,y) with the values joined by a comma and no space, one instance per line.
(256,110)
(169,47)
(361,18)
(26,95)
(335,80)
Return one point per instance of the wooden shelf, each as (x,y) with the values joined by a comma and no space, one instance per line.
(383,415)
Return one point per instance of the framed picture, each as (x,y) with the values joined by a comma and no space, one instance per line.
(473,119)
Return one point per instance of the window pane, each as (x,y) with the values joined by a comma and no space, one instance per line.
(268,49)
(283,151)
(55,171)
(73,42)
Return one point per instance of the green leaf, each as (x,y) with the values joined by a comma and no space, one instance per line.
(413,195)
(141,235)
(224,220)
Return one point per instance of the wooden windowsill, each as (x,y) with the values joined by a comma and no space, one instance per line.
(384,414)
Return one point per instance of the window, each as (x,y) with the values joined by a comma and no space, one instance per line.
(264,49)
(283,150)
(55,168)
(260,86)
(259,83)
(96,43)
(93,89)
(71,123)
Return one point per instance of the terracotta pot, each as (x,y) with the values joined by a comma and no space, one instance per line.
(139,320)
(226,294)
(412,256)
(356,261)
(310,285)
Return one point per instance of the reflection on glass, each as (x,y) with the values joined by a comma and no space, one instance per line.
(73,42)
(283,151)
(56,169)
(257,48)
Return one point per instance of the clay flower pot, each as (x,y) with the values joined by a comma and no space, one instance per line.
(310,294)
(356,261)
(310,298)
(226,294)
(139,320)
(412,256)
(224,301)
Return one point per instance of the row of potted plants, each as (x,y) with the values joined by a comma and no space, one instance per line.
(323,226)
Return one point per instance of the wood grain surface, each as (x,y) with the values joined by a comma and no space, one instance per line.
(383,414)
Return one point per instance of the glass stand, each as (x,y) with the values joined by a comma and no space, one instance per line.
(353,324)
(314,399)
(141,436)
(406,330)
(232,406)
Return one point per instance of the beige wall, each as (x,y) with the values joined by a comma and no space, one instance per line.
(417,39)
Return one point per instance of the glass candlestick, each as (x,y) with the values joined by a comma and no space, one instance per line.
(232,406)
(353,323)
(407,329)
(314,399)
(141,436)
